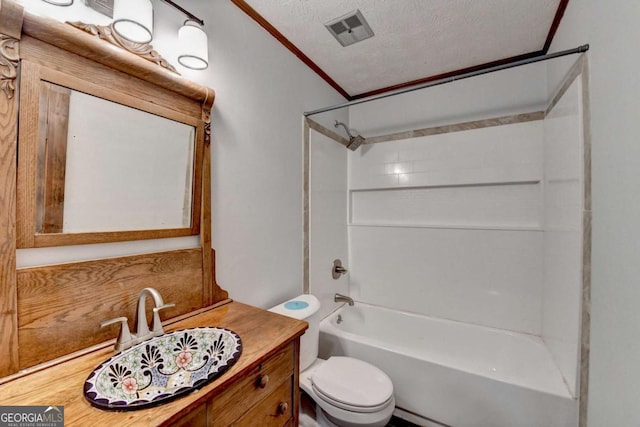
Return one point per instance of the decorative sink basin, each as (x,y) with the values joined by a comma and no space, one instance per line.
(162,368)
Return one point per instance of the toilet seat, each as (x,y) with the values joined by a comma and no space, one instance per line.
(352,385)
(350,408)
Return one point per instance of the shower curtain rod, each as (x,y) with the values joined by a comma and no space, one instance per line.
(579,49)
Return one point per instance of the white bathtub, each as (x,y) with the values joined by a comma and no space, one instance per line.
(454,373)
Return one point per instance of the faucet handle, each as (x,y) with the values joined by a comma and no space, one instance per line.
(156,327)
(338,269)
(124,337)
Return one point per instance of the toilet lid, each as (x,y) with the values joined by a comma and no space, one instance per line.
(352,382)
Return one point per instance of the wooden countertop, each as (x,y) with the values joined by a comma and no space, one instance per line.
(263,333)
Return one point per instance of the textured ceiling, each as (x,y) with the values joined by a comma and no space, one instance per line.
(414,39)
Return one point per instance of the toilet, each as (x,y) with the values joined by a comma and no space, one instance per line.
(347,392)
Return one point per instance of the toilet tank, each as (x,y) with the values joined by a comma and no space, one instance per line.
(304,307)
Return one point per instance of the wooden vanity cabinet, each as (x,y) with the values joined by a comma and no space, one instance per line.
(267,396)
(260,389)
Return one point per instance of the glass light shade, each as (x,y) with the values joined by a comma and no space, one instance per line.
(59,2)
(133,20)
(193,46)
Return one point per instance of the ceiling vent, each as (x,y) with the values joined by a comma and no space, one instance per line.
(350,28)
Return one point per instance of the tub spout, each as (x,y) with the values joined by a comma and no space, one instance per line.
(343,298)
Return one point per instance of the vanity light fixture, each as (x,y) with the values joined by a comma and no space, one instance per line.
(194,46)
(59,2)
(133,20)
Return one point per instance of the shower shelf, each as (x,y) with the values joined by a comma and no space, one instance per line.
(450,226)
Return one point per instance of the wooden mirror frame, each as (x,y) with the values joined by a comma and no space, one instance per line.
(42,63)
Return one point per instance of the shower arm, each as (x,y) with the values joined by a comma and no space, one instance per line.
(337,123)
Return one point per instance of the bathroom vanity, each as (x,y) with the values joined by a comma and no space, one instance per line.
(261,389)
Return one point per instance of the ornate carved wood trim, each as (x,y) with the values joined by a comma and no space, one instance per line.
(207,133)
(143,50)
(9,57)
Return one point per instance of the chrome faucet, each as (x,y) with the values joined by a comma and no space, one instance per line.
(142,326)
(343,298)
(125,338)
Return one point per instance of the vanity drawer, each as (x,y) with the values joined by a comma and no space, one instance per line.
(274,411)
(195,418)
(261,382)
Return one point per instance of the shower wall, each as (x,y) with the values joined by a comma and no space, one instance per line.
(450,225)
(563,237)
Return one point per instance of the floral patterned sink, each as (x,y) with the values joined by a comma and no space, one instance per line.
(162,368)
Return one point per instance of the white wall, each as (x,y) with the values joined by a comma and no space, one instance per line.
(450,225)
(612,31)
(563,214)
(261,92)
(327,219)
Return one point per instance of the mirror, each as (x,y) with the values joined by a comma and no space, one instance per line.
(105,165)
(110,167)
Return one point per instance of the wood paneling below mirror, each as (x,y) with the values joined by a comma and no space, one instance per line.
(61,306)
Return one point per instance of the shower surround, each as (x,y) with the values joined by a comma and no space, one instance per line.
(479,222)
